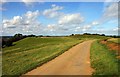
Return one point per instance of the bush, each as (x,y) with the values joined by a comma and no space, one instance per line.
(9,42)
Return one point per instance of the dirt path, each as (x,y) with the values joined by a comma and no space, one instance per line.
(75,61)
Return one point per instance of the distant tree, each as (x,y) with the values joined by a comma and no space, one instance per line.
(40,35)
(95,34)
(31,35)
(18,35)
(72,35)
(102,34)
(114,36)
(24,36)
(86,34)
(47,36)
(9,41)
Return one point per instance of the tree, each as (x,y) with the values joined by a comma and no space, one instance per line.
(6,42)
(72,35)
(17,37)
(31,35)
(86,34)
(102,34)
(9,43)
(3,42)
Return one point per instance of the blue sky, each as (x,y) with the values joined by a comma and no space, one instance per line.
(59,18)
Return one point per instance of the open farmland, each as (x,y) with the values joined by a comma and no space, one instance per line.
(31,52)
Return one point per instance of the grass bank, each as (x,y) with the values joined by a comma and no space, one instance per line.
(114,40)
(29,53)
(102,60)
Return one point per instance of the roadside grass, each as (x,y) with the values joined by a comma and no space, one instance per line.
(102,60)
(114,40)
(31,52)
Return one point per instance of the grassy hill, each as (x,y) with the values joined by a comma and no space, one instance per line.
(31,52)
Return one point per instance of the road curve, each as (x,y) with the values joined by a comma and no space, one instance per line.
(75,61)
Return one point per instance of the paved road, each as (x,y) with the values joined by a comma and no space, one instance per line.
(75,61)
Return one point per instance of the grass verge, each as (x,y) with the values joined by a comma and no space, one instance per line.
(114,40)
(102,60)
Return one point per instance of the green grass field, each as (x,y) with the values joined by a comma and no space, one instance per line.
(102,60)
(31,52)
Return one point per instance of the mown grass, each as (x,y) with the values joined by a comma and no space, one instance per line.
(114,40)
(102,60)
(31,52)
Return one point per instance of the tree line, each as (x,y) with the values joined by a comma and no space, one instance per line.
(114,36)
(6,42)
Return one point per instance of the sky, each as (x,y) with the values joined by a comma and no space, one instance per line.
(59,18)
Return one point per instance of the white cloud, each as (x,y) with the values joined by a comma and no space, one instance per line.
(83,28)
(25,24)
(71,19)
(51,27)
(53,5)
(30,22)
(53,12)
(28,2)
(116,29)
(86,26)
(17,20)
(110,12)
(29,18)
(110,15)
(65,23)
(32,15)
(95,23)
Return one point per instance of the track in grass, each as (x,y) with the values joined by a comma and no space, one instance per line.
(75,61)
